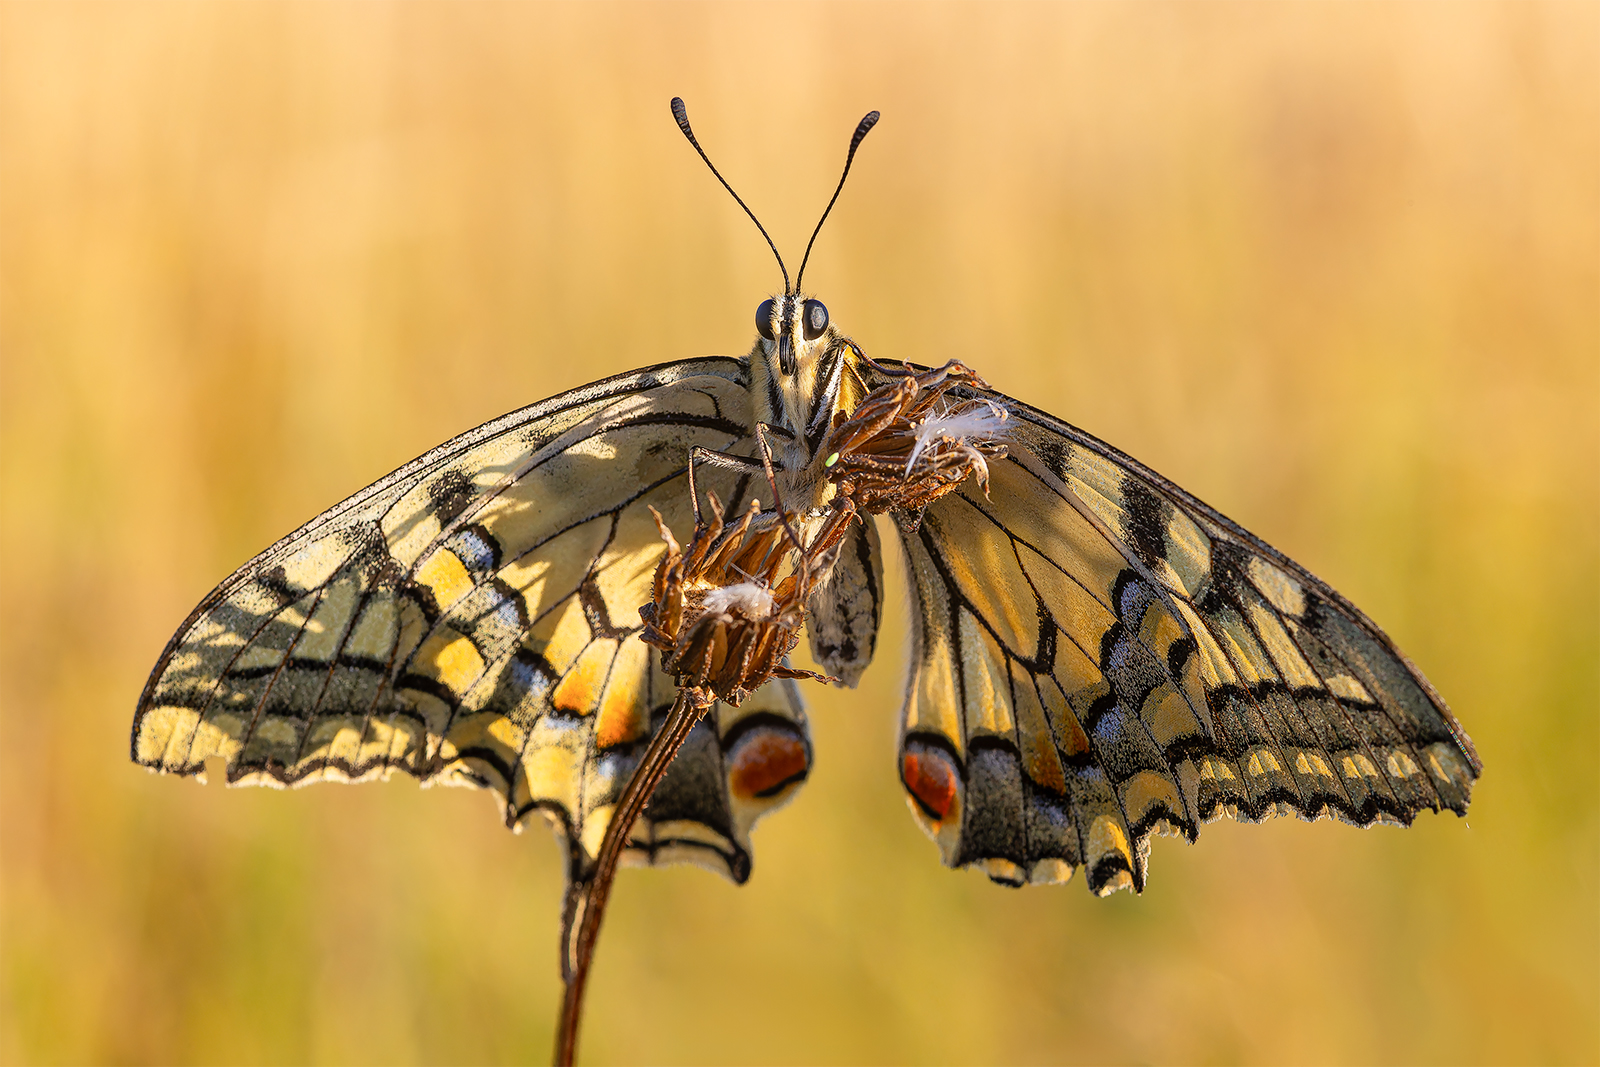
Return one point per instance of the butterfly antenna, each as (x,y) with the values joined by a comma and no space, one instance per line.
(681,113)
(869,120)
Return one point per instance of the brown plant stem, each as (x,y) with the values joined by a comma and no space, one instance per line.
(586,899)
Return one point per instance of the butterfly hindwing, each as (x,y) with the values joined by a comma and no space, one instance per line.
(843,614)
(472,619)
(1098,656)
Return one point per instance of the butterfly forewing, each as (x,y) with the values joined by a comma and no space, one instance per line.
(473,619)
(1098,656)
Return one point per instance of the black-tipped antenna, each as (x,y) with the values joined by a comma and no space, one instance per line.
(869,120)
(681,113)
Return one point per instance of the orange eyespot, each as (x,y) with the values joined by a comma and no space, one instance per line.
(765,760)
(930,775)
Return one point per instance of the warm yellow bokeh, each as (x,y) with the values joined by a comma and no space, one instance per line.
(1335,268)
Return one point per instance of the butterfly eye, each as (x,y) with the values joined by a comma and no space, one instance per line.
(764,319)
(815,318)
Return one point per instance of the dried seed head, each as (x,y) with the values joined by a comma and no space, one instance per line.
(729,607)
(907,444)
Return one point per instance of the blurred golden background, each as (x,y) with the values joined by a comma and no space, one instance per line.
(1334,268)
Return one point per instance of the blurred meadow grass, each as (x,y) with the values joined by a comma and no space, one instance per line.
(1334,268)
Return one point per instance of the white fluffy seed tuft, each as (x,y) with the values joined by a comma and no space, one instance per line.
(974,420)
(750,599)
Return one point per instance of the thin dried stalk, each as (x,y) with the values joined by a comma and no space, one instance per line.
(724,621)
(586,901)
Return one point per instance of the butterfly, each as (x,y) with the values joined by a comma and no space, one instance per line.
(1096,655)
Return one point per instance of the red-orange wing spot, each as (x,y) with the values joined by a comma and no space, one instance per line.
(765,760)
(932,778)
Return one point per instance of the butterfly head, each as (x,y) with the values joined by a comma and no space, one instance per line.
(793,331)
(797,364)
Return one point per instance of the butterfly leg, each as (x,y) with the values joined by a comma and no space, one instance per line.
(772,483)
(719,460)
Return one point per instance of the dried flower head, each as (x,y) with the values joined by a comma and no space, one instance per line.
(729,607)
(908,443)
